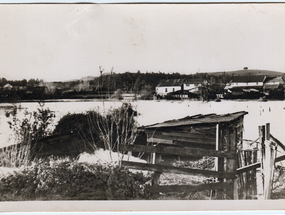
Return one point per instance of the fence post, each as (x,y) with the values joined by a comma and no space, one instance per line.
(268,162)
(259,171)
(267,158)
(156,176)
(231,164)
(219,160)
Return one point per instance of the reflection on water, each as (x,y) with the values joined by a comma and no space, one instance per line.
(151,112)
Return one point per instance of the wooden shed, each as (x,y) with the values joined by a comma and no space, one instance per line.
(233,171)
(212,132)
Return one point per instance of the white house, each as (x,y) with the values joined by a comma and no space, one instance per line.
(169,85)
(7,87)
(192,85)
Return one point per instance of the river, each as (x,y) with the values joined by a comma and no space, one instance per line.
(151,112)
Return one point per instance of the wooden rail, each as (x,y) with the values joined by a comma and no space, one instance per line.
(184,139)
(178,170)
(257,165)
(277,141)
(182,151)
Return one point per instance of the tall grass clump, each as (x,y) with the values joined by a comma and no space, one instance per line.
(116,127)
(27,132)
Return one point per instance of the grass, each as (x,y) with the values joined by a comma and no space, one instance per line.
(42,178)
(70,180)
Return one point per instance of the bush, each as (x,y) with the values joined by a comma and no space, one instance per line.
(67,180)
(27,132)
(118,94)
(117,126)
(88,139)
(34,125)
(146,93)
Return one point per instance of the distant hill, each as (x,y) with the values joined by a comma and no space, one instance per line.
(160,76)
(138,82)
(88,78)
(251,72)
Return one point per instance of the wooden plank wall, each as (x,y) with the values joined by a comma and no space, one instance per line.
(218,140)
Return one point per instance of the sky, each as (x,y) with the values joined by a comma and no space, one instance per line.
(58,42)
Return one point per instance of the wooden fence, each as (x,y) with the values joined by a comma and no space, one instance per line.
(156,166)
(255,172)
(247,186)
(241,174)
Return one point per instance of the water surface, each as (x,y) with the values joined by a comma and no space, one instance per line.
(151,112)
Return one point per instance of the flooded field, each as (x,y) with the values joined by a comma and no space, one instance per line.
(151,112)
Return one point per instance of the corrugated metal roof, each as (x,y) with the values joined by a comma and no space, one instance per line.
(200,119)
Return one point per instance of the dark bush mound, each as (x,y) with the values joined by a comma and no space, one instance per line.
(90,129)
(71,122)
(74,181)
(79,125)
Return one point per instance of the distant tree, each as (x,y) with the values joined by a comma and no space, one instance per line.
(118,94)
(205,91)
(137,85)
(3,81)
(146,92)
(33,81)
(212,79)
(24,82)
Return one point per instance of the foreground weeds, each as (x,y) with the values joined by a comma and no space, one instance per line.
(67,180)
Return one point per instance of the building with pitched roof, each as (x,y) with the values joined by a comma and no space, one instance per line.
(247,81)
(167,86)
(274,87)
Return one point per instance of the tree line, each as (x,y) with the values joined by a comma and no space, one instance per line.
(137,82)
(23,82)
(110,83)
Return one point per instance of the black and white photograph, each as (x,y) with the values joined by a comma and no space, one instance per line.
(142,103)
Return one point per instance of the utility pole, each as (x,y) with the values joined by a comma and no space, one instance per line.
(110,81)
(101,80)
(101,76)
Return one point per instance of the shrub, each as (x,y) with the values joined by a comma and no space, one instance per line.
(87,139)
(118,94)
(34,125)
(117,126)
(146,93)
(67,180)
(27,131)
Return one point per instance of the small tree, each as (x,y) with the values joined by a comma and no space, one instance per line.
(116,127)
(146,92)
(118,94)
(29,130)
